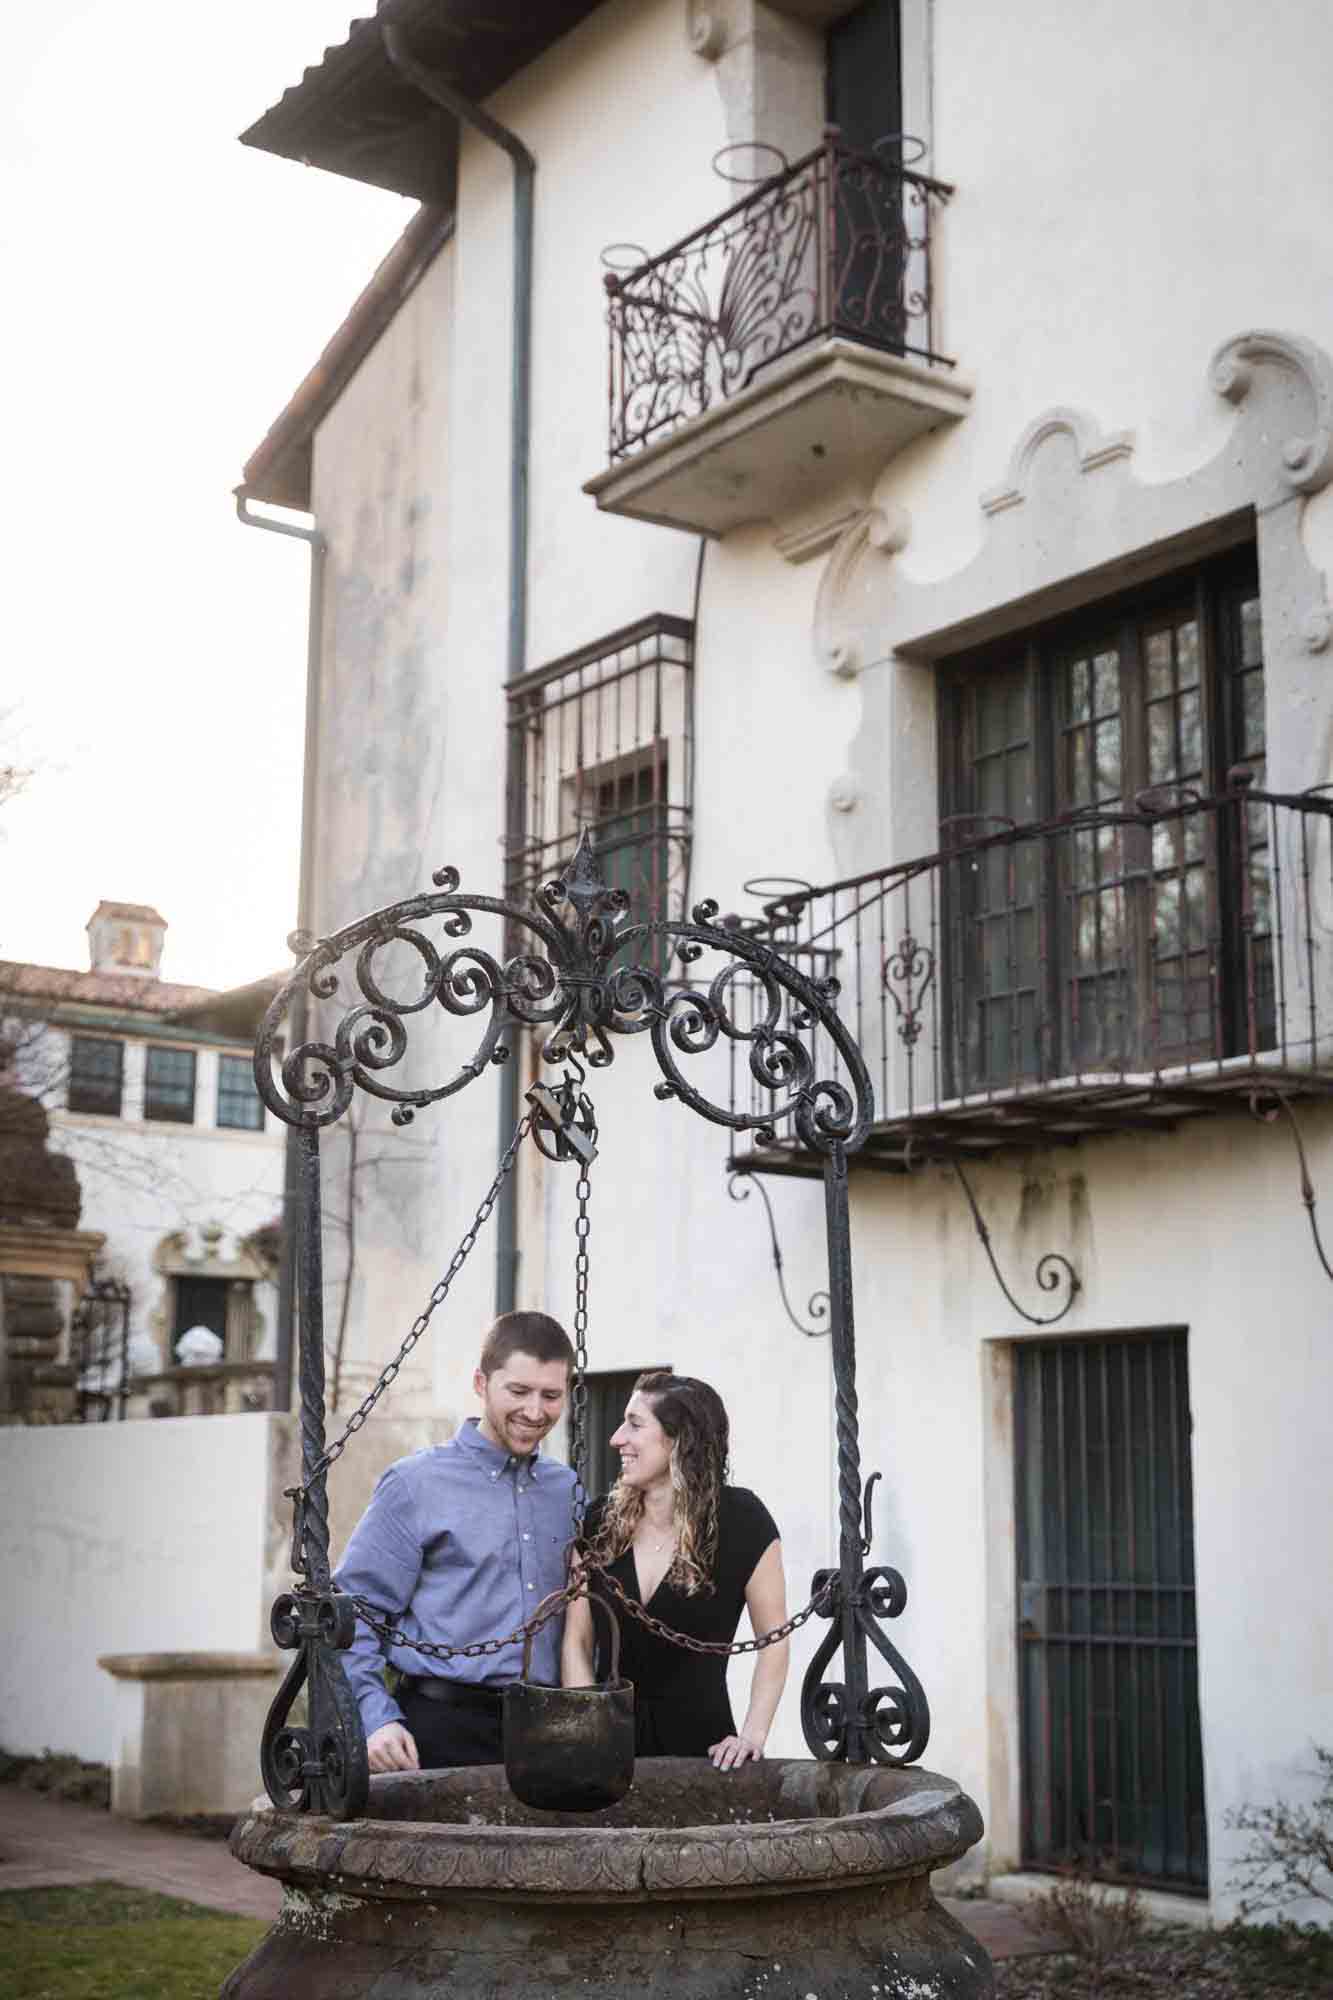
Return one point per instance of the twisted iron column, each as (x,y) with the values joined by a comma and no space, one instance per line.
(848,1720)
(324,1766)
(847,1424)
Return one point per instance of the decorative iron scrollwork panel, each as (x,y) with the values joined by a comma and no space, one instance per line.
(589,976)
(321,1765)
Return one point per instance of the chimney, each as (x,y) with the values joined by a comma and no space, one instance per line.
(126,937)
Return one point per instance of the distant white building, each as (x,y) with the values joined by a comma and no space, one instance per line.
(149,1090)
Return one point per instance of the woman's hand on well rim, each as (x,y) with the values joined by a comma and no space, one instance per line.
(733,1751)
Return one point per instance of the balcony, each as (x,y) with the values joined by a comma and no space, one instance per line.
(782,349)
(1109,971)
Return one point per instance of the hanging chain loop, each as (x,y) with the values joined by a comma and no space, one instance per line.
(819,1603)
(578,1407)
(578,1394)
(482,1648)
(389,1373)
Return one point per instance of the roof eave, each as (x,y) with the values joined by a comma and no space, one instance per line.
(280,469)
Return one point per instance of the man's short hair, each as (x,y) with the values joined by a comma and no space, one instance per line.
(531,1333)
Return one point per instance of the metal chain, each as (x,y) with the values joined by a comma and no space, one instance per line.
(478,1648)
(557,1603)
(716,1646)
(578,1394)
(436,1299)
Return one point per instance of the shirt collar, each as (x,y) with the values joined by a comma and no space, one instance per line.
(469,1438)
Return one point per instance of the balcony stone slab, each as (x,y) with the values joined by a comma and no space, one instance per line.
(783,443)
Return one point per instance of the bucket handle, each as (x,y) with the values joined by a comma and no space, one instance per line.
(613,1622)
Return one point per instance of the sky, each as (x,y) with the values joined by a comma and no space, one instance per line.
(166,290)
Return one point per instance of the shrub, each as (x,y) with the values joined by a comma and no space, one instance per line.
(1289,1858)
(1096,1925)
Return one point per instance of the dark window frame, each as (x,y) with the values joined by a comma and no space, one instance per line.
(164,1101)
(243,1097)
(1044,1037)
(80,1091)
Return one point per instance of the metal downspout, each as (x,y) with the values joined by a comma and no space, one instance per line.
(291,1165)
(520,408)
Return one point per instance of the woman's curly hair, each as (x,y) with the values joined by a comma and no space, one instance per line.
(695,1420)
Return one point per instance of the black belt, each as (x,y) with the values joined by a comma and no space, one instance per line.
(454,1694)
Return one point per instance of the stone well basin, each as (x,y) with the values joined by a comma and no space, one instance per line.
(781,1881)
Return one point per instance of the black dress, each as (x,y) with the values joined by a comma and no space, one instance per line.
(681,1706)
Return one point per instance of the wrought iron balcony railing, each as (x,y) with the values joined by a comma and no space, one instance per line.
(837,245)
(1109,970)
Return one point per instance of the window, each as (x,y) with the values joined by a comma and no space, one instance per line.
(602,739)
(863,76)
(1085,946)
(240,1107)
(168,1085)
(200,1302)
(96,1070)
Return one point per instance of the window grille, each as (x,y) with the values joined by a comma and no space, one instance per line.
(96,1075)
(603,739)
(168,1085)
(1112,1756)
(240,1107)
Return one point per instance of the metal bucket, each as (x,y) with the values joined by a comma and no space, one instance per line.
(570,1749)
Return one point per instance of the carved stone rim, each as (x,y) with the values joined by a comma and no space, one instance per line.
(897,1823)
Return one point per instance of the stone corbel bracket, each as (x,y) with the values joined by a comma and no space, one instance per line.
(707,30)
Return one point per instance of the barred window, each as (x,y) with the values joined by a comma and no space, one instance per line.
(168,1085)
(604,741)
(240,1107)
(96,1072)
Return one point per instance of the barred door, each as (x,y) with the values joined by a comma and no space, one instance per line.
(1112,1767)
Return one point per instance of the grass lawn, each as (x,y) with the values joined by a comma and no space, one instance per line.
(100,1941)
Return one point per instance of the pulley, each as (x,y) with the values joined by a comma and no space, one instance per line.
(564,1126)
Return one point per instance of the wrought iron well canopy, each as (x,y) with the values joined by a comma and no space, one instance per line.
(575,966)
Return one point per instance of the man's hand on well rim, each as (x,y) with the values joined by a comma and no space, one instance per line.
(392,1748)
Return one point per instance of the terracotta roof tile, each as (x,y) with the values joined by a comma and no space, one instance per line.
(126,991)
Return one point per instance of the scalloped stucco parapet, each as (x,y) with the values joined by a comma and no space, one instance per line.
(1068,524)
(1091,448)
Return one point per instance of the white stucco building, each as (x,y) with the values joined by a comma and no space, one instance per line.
(954,565)
(148,1088)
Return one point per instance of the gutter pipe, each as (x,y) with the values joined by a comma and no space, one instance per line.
(520,418)
(282,1360)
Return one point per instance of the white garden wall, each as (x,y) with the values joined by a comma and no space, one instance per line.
(123,1538)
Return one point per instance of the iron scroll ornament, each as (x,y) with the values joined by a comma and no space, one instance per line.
(580,987)
(575,978)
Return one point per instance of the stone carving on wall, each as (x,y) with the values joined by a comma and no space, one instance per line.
(209,1252)
(41,1250)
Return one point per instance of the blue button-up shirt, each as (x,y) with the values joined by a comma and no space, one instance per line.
(460,1542)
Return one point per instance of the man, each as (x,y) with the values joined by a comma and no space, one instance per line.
(462,1542)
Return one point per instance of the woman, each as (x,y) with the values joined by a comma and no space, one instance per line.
(693,1551)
